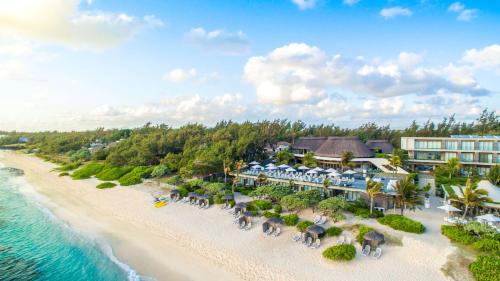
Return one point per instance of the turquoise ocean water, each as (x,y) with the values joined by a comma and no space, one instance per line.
(35,245)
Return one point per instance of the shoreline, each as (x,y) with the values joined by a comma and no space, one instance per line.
(179,242)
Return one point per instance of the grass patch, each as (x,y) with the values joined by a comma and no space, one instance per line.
(111,173)
(457,234)
(340,253)
(486,268)
(106,185)
(402,223)
(68,167)
(64,174)
(333,231)
(135,176)
(87,171)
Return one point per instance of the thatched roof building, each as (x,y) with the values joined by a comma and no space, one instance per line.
(383,146)
(333,147)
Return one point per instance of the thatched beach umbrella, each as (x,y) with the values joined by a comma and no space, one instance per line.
(314,231)
(272,222)
(228,197)
(174,193)
(373,239)
(240,207)
(203,198)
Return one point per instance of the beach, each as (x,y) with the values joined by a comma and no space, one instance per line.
(181,242)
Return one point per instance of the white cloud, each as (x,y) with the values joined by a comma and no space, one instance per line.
(219,41)
(486,58)
(62,22)
(350,2)
(303,74)
(305,4)
(180,75)
(463,13)
(393,12)
(174,111)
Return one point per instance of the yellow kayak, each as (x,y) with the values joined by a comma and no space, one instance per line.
(160,204)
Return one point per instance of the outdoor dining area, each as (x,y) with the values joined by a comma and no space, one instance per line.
(272,226)
(453,217)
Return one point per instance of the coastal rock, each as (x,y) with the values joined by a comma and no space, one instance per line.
(13,171)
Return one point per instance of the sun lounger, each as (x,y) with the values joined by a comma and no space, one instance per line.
(277,232)
(316,244)
(269,231)
(297,237)
(206,206)
(366,250)
(248,226)
(317,219)
(322,221)
(242,225)
(341,240)
(377,254)
(231,212)
(309,241)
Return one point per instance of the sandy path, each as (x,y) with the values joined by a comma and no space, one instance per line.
(180,242)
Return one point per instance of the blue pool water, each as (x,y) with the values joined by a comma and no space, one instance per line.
(35,245)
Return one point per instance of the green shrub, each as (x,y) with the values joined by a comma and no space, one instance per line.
(135,176)
(402,223)
(111,173)
(175,180)
(87,171)
(106,185)
(262,204)
(219,200)
(64,174)
(301,226)
(457,234)
(340,253)
(333,231)
(362,230)
(69,167)
(269,215)
(487,245)
(486,268)
(277,209)
(183,192)
(290,220)
(200,191)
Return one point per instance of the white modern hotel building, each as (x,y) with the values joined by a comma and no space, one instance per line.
(478,152)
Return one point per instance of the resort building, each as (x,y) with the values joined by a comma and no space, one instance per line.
(328,152)
(477,152)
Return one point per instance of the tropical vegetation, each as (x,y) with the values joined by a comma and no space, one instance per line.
(340,253)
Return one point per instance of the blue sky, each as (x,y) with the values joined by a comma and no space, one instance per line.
(70,64)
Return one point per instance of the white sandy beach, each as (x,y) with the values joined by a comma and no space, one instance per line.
(181,242)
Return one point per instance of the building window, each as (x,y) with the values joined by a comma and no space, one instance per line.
(467,157)
(486,145)
(427,144)
(485,158)
(451,145)
(449,155)
(425,155)
(467,145)
(483,171)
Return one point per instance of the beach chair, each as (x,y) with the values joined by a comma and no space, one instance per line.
(277,232)
(309,241)
(341,240)
(322,221)
(366,250)
(316,244)
(297,237)
(206,206)
(242,225)
(269,231)
(317,219)
(231,212)
(248,226)
(377,254)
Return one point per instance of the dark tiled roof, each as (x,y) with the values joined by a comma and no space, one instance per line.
(384,145)
(311,143)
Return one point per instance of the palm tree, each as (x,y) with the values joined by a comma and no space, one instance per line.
(226,168)
(261,178)
(408,194)
(326,184)
(473,196)
(453,167)
(239,165)
(309,160)
(395,161)
(372,189)
(345,159)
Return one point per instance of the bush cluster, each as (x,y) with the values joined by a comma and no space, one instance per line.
(64,174)
(269,215)
(106,185)
(87,171)
(262,205)
(402,223)
(277,209)
(340,253)
(290,220)
(333,231)
(457,234)
(487,245)
(361,209)
(69,167)
(111,173)
(486,268)
(301,226)
(135,176)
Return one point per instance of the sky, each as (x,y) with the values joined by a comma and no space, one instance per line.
(79,65)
